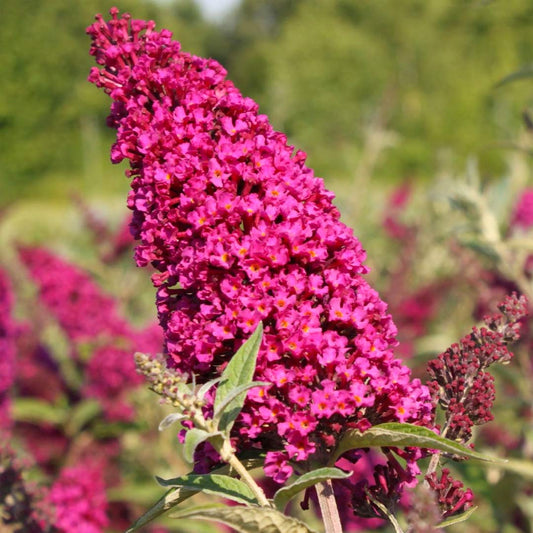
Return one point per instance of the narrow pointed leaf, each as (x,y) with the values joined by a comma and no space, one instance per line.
(240,371)
(81,415)
(286,493)
(227,405)
(247,519)
(521,467)
(216,484)
(33,410)
(172,498)
(385,511)
(193,438)
(395,434)
(206,386)
(170,419)
(526,72)
(457,519)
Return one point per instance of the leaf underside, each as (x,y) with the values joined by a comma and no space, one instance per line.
(216,484)
(247,519)
(399,435)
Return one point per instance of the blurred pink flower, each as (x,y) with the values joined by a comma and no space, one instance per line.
(79,499)
(8,333)
(523,211)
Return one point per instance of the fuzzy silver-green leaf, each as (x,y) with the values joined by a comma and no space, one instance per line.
(193,438)
(399,435)
(216,484)
(458,518)
(247,519)
(239,371)
(286,493)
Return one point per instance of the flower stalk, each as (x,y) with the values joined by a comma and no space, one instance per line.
(328,507)
(173,389)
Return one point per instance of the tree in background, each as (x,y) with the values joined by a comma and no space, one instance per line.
(415,77)
(50,122)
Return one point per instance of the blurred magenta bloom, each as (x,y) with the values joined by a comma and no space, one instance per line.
(523,211)
(7,350)
(79,500)
(87,315)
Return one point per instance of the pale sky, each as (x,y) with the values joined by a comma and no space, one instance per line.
(214,9)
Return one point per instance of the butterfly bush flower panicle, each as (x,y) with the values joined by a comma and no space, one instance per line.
(451,497)
(460,382)
(79,500)
(87,315)
(463,388)
(78,304)
(239,231)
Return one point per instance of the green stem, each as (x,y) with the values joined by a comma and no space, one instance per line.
(228,455)
(392,519)
(328,507)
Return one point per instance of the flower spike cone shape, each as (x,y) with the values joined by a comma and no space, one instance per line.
(240,231)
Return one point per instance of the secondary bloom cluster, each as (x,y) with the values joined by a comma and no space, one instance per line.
(80,455)
(460,382)
(87,315)
(241,231)
(451,497)
(7,351)
(69,294)
(79,500)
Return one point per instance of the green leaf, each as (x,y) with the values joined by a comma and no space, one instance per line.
(227,403)
(240,371)
(206,386)
(396,434)
(32,410)
(526,72)
(483,248)
(247,519)
(82,414)
(286,493)
(216,484)
(385,512)
(170,419)
(193,438)
(172,498)
(521,467)
(458,518)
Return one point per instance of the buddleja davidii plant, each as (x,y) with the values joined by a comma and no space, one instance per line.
(234,482)
(240,231)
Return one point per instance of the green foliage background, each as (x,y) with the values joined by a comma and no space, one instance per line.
(328,72)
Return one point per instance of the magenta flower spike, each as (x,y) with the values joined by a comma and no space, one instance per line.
(241,231)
